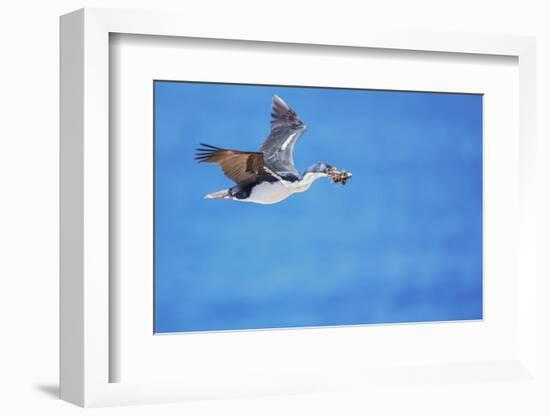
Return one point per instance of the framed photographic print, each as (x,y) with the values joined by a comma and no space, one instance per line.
(266,214)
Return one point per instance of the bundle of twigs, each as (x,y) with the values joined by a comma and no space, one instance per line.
(341,177)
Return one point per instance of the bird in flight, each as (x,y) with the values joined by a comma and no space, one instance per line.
(269,175)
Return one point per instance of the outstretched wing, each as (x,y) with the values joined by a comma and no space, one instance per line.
(278,148)
(243,168)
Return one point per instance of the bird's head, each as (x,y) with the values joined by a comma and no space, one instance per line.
(321,169)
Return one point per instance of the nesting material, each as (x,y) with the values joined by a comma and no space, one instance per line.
(341,177)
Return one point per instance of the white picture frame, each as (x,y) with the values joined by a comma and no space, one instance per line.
(85,206)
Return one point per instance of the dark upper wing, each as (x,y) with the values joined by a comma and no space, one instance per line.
(278,148)
(244,168)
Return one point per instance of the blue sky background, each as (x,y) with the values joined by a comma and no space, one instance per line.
(401,242)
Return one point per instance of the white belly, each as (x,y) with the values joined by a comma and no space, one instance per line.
(273,192)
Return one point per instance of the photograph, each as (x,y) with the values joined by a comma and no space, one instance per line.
(303,207)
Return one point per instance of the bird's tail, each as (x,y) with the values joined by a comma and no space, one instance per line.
(224,194)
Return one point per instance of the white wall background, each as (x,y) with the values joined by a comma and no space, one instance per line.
(29,206)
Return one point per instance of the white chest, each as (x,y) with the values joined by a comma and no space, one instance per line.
(273,192)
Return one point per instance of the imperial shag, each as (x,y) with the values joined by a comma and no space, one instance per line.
(269,175)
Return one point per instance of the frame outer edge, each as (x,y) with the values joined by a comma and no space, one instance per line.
(95,195)
(71,208)
(380,35)
(527,155)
